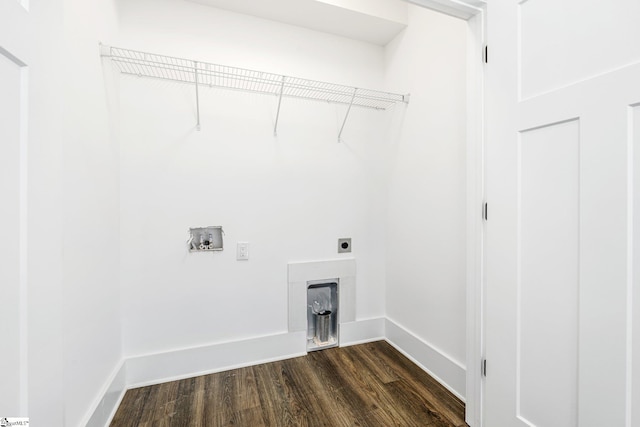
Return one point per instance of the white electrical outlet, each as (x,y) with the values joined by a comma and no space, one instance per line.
(242,252)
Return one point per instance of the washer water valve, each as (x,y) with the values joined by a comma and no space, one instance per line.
(205,239)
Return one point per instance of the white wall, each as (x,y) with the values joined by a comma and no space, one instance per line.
(119,214)
(45,292)
(397,182)
(425,291)
(91,208)
(290,196)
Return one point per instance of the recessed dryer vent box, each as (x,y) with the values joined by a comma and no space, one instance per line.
(205,239)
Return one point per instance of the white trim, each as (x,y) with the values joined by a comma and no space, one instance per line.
(104,407)
(11,57)
(24,240)
(23,220)
(190,362)
(475,223)
(186,363)
(464,9)
(362,331)
(631,153)
(446,370)
(325,269)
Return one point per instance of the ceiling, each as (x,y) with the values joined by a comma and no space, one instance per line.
(371,21)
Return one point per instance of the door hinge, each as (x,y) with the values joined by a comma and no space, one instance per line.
(483,367)
(485,54)
(485,211)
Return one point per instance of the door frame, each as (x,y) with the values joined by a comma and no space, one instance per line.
(474,13)
(15,49)
(475,215)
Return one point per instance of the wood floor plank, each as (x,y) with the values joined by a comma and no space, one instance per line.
(368,385)
(131,408)
(357,379)
(277,400)
(365,381)
(334,386)
(443,400)
(183,409)
(160,402)
(408,400)
(247,417)
(229,393)
(368,353)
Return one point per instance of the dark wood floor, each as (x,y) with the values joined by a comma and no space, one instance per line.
(364,385)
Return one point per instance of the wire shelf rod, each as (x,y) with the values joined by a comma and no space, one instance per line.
(357,103)
(287,92)
(275,127)
(183,70)
(200,74)
(344,122)
(195,67)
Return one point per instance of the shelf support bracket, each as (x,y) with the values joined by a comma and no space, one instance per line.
(275,127)
(353,97)
(195,69)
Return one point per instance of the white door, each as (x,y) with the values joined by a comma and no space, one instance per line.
(563,121)
(13,369)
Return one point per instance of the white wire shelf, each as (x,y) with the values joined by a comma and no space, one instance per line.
(199,74)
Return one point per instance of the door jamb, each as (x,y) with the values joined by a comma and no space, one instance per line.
(476,224)
(474,13)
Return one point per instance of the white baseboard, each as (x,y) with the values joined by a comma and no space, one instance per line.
(105,407)
(174,365)
(157,368)
(448,372)
(361,331)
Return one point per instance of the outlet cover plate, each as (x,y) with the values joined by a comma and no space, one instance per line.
(242,251)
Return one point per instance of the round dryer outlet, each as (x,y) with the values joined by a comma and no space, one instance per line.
(344,245)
